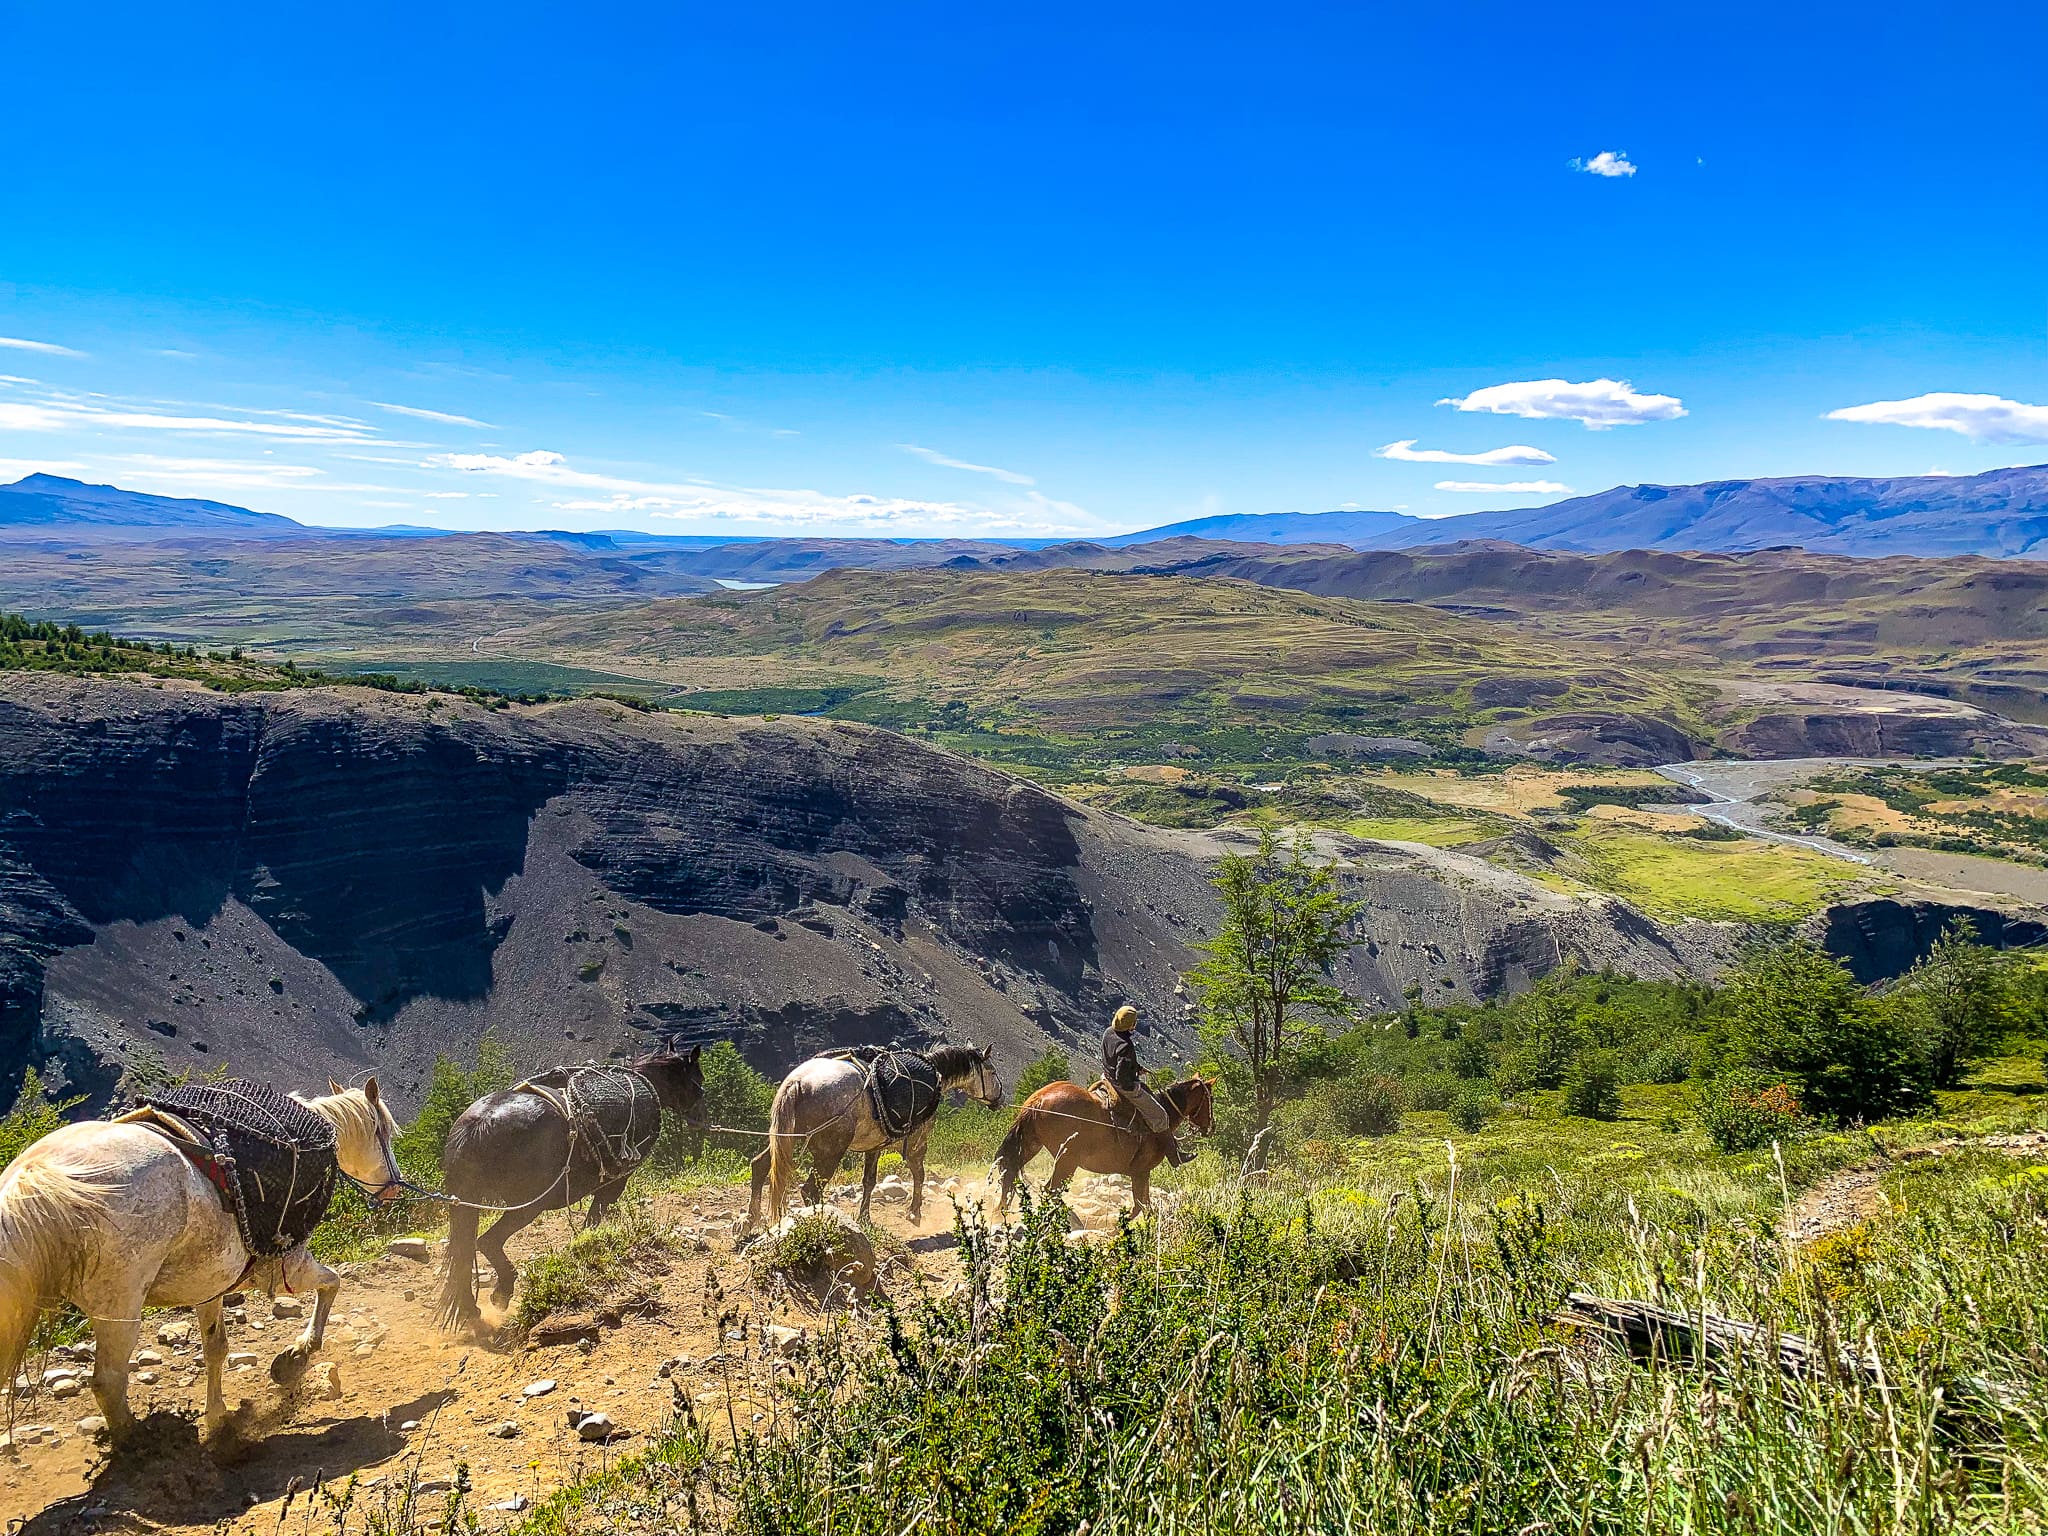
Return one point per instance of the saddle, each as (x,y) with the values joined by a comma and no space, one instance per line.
(613,1111)
(903,1088)
(1121,1116)
(269,1157)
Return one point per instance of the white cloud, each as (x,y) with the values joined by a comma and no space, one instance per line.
(23,344)
(1492,458)
(933,456)
(1980,418)
(422,414)
(1609,162)
(702,499)
(1509,488)
(447,495)
(58,412)
(1599,403)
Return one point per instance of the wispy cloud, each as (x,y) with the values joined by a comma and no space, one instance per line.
(50,348)
(60,413)
(946,461)
(1980,418)
(1609,162)
(1598,403)
(702,499)
(1508,488)
(1492,458)
(420,413)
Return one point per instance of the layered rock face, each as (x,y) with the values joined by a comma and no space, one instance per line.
(332,881)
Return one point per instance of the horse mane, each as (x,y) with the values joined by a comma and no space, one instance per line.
(1176,1094)
(950,1060)
(350,1112)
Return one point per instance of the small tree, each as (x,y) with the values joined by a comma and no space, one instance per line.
(1052,1067)
(1961,990)
(452,1091)
(1265,986)
(1798,1011)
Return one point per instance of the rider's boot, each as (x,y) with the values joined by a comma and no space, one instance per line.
(1175,1153)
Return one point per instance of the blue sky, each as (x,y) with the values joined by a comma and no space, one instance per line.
(953,269)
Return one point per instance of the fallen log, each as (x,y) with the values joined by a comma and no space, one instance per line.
(1651,1332)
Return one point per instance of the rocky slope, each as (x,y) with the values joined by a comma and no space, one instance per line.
(332,880)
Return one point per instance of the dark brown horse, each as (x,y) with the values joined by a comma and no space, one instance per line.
(1072,1124)
(517,1151)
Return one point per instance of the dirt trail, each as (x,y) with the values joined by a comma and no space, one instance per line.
(414,1401)
(1854,1195)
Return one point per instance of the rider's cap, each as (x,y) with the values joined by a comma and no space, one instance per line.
(1126,1018)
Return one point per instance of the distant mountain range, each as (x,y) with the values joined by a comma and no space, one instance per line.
(2003,512)
(55,505)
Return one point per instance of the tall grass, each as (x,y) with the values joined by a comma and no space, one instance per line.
(1296,1356)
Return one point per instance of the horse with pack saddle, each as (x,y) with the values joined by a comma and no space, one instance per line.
(863,1100)
(199,1190)
(545,1144)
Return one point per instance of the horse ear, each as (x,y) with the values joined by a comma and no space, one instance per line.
(333,1086)
(696,1051)
(370,1090)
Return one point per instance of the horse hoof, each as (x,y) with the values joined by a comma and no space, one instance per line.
(289,1367)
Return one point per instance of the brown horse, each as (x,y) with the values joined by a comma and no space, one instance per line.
(1068,1121)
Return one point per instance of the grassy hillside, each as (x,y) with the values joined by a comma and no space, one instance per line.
(1065,666)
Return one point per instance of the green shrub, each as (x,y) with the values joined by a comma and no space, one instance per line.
(32,1118)
(1592,1089)
(1432,1090)
(1743,1111)
(1799,1014)
(451,1091)
(1473,1107)
(1666,1064)
(1364,1105)
(1051,1067)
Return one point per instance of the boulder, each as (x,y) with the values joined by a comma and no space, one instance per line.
(324,1380)
(539,1388)
(416,1249)
(820,1247)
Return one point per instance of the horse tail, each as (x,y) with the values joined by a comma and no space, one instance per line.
(782,1146)
(43,1208)
(458,1285)
(1019,1144)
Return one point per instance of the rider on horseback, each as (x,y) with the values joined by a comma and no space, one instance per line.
(1127,1083)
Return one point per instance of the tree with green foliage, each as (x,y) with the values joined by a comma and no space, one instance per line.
(1962,991)
(1798,1011)
(451,1092)
(1592,1088)
(1053,1066)
(32,1118)
(735,1095)
(1265,988)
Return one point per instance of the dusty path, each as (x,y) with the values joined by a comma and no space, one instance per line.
(414,1404)
(1854,1195)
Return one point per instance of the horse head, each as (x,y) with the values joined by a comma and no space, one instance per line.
(678,1079)
(971,1069)
(363,1135)
(1196,1100)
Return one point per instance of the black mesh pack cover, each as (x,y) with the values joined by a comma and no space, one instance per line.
(280,1153)
(614,1109)
(905,1089)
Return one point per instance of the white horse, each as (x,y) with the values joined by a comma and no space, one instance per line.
(823,1107)
(112,1217)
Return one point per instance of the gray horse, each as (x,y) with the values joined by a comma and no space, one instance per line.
(823,1107)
